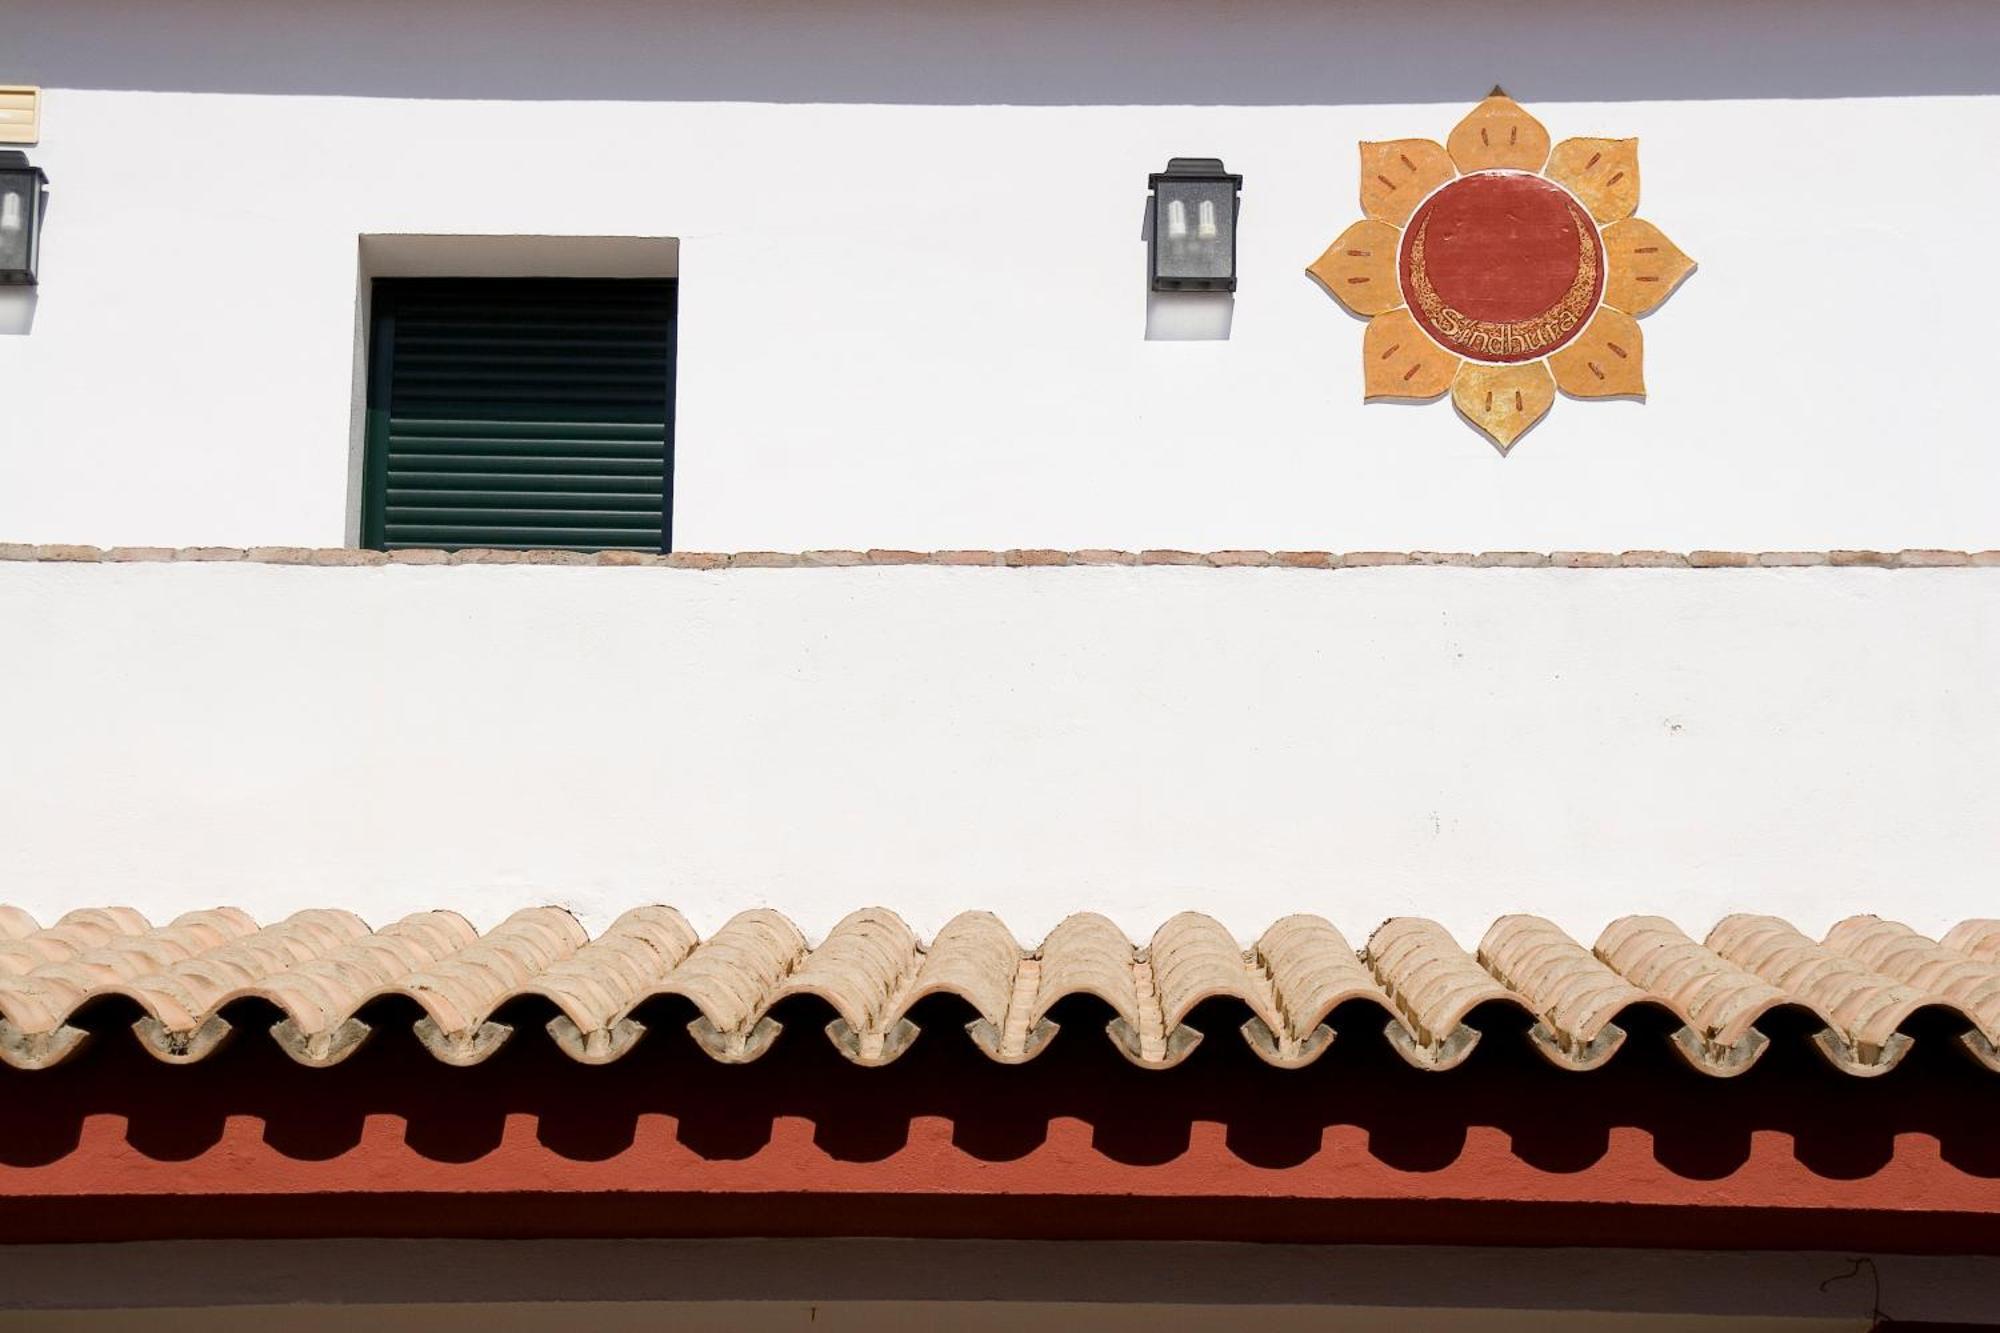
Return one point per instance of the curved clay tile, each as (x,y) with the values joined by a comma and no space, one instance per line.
(1434,985)
(1864,1007)
(1575,995)
(981,961)
(596,987)
(1978,939)
(321,998)
(183,1003)
(1721,1001)
(1087,955)
(974,957)
(1970,984)
(1313,972)
(1194,960)
(113,952)
(730,979)
(77,932)
(35,996)
(29,1012)
(460,991)
(868,960)
(122,957)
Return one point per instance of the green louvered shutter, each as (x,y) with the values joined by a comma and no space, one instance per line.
(519,413)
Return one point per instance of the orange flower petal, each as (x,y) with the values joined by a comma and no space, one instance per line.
(1499,134)
(1396,175)
(1503,401)
(1359,269)
(1644,265)
(1607,360)
(1604,173)
(1399,361)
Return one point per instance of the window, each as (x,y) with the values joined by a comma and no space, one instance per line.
(520,413)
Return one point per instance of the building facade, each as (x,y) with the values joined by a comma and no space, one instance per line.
(552,554)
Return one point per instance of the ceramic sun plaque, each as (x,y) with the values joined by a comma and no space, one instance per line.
(1496,269)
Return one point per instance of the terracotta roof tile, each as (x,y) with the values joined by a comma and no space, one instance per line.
(1976,939)
(976,958)
(1434,985)
(320,997)
(730,979)
(1313,972)
(1194,960)
(1969,981)
(864,970)
(460,990)
(596,987)
(329,975)
(1574,993)
(1086,955)
(1719,1001)
(1863,1007)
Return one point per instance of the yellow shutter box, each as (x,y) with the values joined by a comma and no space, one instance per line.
(20,114)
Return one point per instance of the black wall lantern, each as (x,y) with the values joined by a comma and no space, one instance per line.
(21,186)
(1195,202)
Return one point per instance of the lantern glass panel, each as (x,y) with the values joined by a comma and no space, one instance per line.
(20,212)
(1194,232)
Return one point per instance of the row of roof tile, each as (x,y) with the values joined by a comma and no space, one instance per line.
(328,973)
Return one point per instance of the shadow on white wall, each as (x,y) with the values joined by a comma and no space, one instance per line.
(17,311)
(1185,317)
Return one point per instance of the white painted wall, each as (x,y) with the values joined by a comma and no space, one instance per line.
(913,295)
(1457,743)
(913,312)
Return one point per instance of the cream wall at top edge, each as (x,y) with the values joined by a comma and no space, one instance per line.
(921,326)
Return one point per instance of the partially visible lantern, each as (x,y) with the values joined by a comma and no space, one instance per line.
(1195,203)
(21,187)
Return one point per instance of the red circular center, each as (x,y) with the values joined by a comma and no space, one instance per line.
(1501,266)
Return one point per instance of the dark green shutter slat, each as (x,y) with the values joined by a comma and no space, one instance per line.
(475,471)
(461,516)
(436,487)
(513,539)
(630,502)
(521,413)
(446,428)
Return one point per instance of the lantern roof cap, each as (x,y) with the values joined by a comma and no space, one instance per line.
(1195,168)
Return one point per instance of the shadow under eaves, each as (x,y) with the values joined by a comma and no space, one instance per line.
(666,1092)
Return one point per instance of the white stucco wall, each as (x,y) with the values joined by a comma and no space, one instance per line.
(913,297)
(1457,743)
